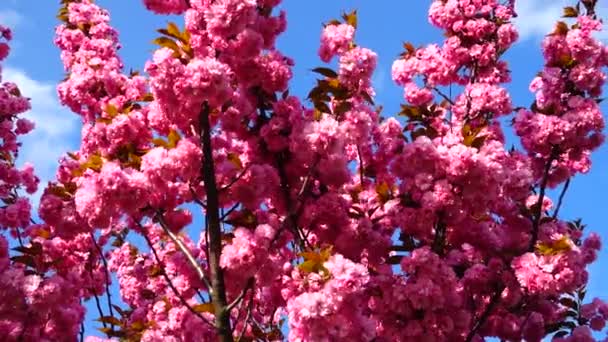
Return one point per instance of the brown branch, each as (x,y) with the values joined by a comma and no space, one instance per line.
(485,315)
(81,333)
(361,170)
(184,249)
(99,309)
(440,236)
(236,179)
(170,282)
(241,295)
(106,272)
(212,216)
(444,96)
(227,213)
(247,318)
(538,207)
(290,221)
(196,199)
(561,198)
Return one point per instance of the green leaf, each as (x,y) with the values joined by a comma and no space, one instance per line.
(173,30)
(351,18)
(327,72)
(167,42)
(570,12)
(342,108)
(34,249)
(322,107)
(367,98)
(26,260)
(109,320)
(205,307)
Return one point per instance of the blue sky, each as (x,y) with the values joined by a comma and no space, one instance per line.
(383,26)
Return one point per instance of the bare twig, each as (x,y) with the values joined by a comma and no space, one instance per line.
(485,315)
(290,221)
(247,318)
(184,249)
(444,96)
(99,309)
(196,199)
(106,273)
(236,179)
(538,207)
(361,170)
(163,271)
(240,297)
(81,333)
(561,198)
(229,211)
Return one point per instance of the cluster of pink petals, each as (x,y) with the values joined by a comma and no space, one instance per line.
(336,223)
(566,124)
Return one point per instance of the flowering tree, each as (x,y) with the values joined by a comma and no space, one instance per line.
(325,220)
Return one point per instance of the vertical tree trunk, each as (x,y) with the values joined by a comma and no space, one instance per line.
(222,316)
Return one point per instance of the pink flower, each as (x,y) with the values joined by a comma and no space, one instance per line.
(335,40)
(166,7)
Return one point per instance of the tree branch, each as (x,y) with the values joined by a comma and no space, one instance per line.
(241,295)
(290,221)
(440,236)
(81,333)
(361,170)
(538,207)
(561,198)
(247,318)
(212,216)
(106,272)
(236,179)
(170,282)
(444,96)
(485,315)
(184,249)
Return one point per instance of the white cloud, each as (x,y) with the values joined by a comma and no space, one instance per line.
(57,130)
(537,18)
(10,18)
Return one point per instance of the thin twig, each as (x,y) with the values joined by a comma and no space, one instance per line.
(539,204)
(561,198)
(247,318)
(81,339)
(227,213)
(361,175)
(485,315)
(170,282)
(236,179)
(184,249)
(240,297)
(99,310)
(106,272)
(445,97)
(196,199)
(293,210)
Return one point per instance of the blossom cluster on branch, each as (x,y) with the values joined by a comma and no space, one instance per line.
(324,220)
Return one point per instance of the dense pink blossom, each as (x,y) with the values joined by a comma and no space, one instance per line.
(167,7)
(322,216)
(335,39)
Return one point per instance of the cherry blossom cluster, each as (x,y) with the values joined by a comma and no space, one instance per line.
(322,217)
(565,124)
